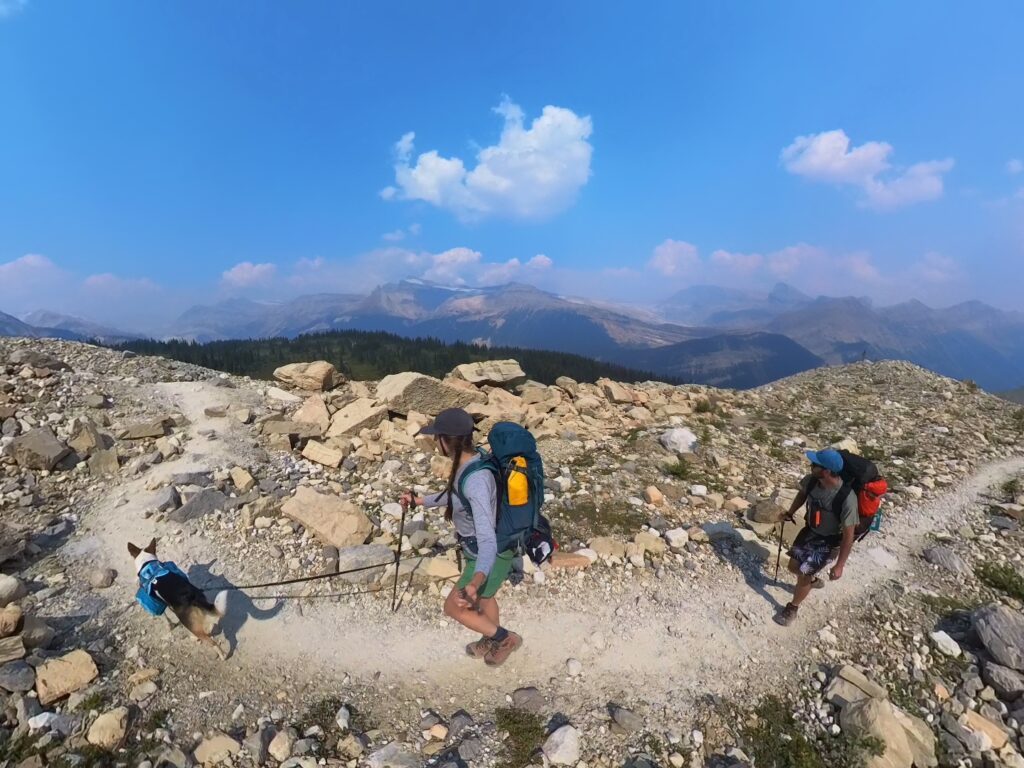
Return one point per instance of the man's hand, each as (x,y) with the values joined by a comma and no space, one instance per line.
(409,499)
(836,573)
(468,597)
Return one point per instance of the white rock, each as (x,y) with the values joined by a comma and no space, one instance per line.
(946,644)
(698,490)
(574,667)
(563,746)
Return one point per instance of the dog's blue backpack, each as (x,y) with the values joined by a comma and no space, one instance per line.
(519,475)
(151,572)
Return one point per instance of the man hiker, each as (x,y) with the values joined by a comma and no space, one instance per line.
(832,519)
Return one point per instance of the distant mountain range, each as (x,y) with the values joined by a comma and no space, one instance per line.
(706,334)
(42,324)
(970,340)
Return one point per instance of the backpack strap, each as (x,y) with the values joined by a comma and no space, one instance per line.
(840,500)
(484,462)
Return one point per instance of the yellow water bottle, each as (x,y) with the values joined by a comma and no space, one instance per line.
(518,483)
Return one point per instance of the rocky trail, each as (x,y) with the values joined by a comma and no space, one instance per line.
(672,638)
(654,621)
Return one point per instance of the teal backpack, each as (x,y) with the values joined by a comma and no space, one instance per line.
(519,474)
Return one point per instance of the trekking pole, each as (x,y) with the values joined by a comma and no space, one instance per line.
(398,554)
(778,557)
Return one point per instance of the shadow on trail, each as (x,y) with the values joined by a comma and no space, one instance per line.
(754,573)
(240,607)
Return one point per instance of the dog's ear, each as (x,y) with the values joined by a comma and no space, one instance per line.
(151,547)
(133,550)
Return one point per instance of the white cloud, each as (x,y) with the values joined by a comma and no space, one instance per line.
(936,269)
(245,274)
(531,173)
(28,268)
(112,285)
(11,7)
(1014,166)
(674,257)
(394,237)
(827,157)
(450,266)
(744,263)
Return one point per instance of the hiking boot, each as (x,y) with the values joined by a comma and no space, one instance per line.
(500,651)
(817,583)
(479,649)
(787,615)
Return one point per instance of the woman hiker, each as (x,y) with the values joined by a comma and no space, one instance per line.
(472,602)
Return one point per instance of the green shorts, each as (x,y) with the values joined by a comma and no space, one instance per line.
(499,572)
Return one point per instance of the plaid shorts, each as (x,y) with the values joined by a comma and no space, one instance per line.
(814,552)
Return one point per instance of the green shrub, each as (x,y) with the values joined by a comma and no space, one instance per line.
(776,740)
(525,736)
(678,469)
(1011,488)
(1002,577)
(760,435)
(704,406)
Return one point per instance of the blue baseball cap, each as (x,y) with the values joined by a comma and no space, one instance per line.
(829,458)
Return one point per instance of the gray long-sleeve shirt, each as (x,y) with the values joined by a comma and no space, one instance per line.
(481,492)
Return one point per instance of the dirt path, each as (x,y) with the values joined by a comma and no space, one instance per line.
(664,640)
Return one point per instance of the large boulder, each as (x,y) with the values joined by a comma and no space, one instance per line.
(87,438)
(1007,683)
(319,453)
(410,391)
(877,718)
(364,556)
(314,411)
(498,372)
(334,521)
(38,449)
(1002,631)
(56,678)
(315,377)
(615,392)
(358,415)
(679,440)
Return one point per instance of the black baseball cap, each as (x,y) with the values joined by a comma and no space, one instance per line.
(453,422)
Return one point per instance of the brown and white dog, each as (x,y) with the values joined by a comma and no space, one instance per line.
(163,585)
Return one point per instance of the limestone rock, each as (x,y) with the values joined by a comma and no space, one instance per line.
(946,644)
(10,621)
(358,415)
(144,430)
(323,454)
(920,738)
(679,440)
(281,396)
(17,677)
(654,496)
(11,589)
(334,521)
(216,749)
(11,649)
(392,755)
(1007,683)
(409,391)
(363,556)
(56,678)
(317,376)
(876,717)
(497,372)
(1002,631)
(102,578)
(615,392)
(109,729)
(314,411)
(242,479)
(200,505)
(104,462)
(86,438)
(563,746)
(38,449)
(947,559)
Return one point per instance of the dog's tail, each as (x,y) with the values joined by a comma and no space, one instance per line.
(220,603)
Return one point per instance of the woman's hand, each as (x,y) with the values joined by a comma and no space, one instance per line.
(408,499)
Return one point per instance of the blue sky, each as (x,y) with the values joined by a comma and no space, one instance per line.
(159,154)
